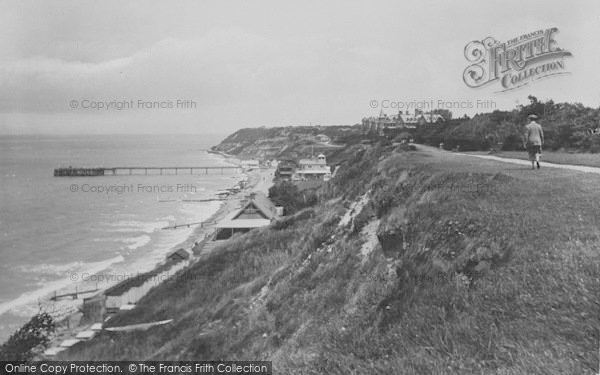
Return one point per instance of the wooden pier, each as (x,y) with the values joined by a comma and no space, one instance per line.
(138,171)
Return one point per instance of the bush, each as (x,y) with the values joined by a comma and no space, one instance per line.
(34,335)
(293,220)
(512,143)
(595,144)
(287,195)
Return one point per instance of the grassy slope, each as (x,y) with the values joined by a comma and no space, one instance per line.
(558,157)
(484,269)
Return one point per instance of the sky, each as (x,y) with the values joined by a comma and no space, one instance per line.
(91,67)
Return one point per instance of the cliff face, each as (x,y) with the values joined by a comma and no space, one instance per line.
(409,263)
(288,142)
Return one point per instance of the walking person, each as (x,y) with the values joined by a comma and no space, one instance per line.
(534,139)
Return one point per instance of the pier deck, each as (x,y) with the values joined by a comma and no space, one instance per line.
(120,171)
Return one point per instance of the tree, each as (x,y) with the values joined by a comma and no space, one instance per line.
(404,136)
(287,195)
(34,335)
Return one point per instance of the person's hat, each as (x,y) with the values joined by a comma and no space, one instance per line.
(532,116)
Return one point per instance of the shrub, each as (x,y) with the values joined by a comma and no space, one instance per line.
(293,220)
(34,335)
(287,195)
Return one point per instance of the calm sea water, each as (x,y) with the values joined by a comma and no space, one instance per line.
(86,232)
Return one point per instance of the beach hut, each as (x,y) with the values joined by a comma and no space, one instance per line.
(132,290)
(94,308)
(257,212)
(86,335)
(51,352)
(68,343)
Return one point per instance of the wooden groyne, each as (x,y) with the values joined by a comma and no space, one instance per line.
(201,223)
(115,171)
(73,295)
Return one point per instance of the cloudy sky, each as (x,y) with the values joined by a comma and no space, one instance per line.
(271,63)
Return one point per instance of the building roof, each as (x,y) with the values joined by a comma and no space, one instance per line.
(428,117)
(318,160)
(262,203)
(314,171)
(259,202)
(137,280)
(86,335)
(179,253)
(243,223)
(53,351)
(405,118)
(69,342)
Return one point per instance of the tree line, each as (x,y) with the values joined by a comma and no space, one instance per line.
(569,126)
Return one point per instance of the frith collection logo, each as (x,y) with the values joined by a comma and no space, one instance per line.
(514,63)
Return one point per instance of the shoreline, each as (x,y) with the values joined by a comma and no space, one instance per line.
(19,307)
(70,324)
(65,313)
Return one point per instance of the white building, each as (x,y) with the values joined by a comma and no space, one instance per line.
(250,164)
(314,168)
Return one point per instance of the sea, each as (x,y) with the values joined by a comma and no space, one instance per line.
(64,234)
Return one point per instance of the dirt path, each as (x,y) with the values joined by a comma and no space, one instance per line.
(578,168)
(264,180)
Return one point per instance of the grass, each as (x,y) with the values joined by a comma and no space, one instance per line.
(482,269)
(558,157)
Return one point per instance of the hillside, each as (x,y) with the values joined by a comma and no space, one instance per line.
(411,262)
(288,142)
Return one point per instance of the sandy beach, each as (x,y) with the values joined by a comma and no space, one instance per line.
(69,324)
